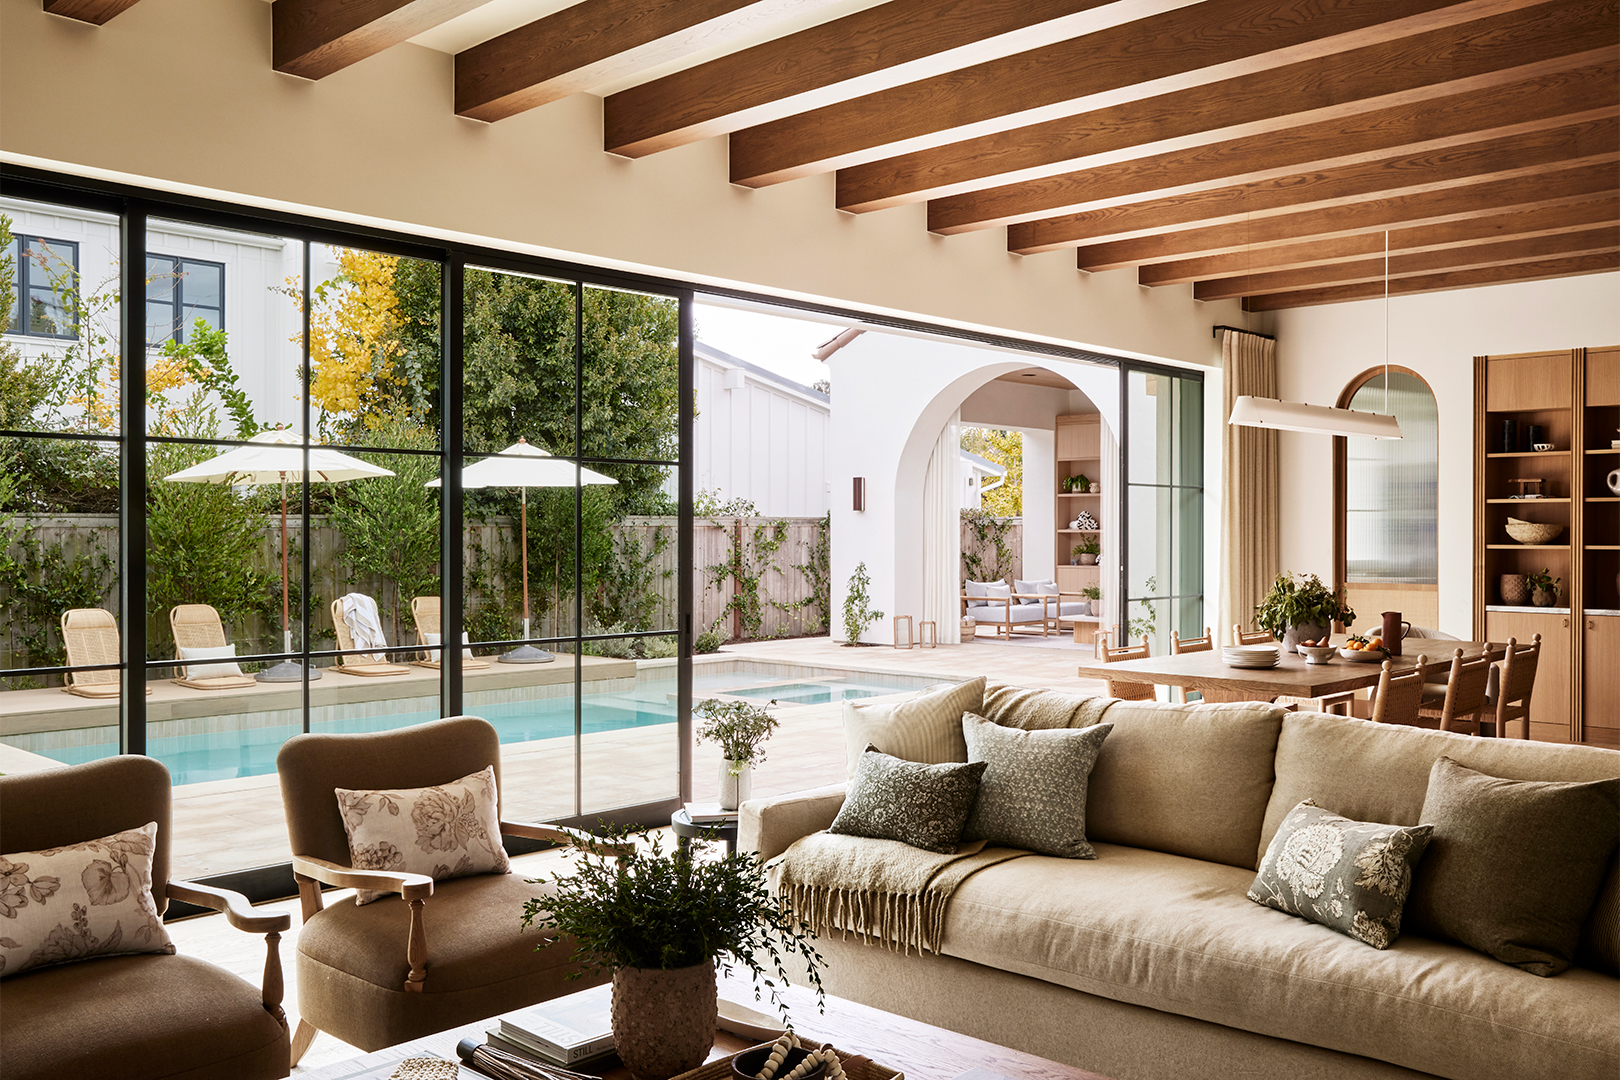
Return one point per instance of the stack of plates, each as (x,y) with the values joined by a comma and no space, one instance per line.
(1250,656)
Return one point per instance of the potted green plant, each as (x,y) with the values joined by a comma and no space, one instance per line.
(1301,608)
(1544,588)
(1087,551)
(741,728)
(660,922)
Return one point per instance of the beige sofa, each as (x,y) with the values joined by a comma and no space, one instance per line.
(1150,962)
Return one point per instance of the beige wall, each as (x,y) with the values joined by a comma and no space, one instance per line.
(1319,350)
(179,94)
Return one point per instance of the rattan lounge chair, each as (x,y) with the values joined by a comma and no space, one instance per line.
(197,626)
(90,636)
(425,611)
(358,665)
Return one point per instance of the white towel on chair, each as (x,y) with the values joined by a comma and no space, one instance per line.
(365,625)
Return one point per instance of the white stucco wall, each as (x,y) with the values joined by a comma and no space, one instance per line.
(1320,349)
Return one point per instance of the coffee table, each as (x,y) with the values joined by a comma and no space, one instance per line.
(919,1050)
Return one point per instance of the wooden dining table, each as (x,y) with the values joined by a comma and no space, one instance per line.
(1293,676)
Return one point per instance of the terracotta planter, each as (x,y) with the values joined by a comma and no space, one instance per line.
(1088,559)
(1544,598)
(1515,589)
(663,1021)
(736,788)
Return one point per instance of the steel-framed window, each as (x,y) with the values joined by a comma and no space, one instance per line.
(179,291)
(47,288)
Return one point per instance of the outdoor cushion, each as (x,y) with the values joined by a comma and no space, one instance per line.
(1034,588)
(224,653)
(429,638)
(444,831)
(1181,936)
(142,1017)
(926,728)
(996,589)
(1187,779)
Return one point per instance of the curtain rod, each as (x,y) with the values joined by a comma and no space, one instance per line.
(1239,330)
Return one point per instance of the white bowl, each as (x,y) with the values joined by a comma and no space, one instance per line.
(1365,656)
(1317,654)
(1543,447)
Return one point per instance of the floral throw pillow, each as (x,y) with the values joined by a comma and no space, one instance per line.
(447,831)
(1350,876)
(80,901)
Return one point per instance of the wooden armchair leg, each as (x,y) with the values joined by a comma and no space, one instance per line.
(416,951)
(302,1037)
(272,985)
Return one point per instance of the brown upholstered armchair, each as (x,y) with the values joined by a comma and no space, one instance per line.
(143,1016)
(438,954)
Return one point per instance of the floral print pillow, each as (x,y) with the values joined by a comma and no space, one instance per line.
(80,901)
(448,831)
(1350,876)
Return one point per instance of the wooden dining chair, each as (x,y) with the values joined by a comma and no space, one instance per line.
(1464,700)
(1516,678)
(1125,691)
(1180,645)
(1241,636)
(1396,698)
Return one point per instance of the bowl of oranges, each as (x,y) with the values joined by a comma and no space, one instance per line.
(1364,650)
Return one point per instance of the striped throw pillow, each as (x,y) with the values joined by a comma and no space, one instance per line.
(927,728)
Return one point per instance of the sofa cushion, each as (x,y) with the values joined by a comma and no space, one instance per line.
(925,806)
(926,728)
(1031,709)
(1033,793)
(137,1018)
(1186,779)
(1181,936)
(1380,772)
(1349,876)
(1515,864)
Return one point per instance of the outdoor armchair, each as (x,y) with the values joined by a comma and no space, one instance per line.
(374,665)
(197,626)
(90,636)
(437,954)
(146,1015)
(427,614)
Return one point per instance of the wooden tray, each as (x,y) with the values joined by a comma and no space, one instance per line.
(856,1067)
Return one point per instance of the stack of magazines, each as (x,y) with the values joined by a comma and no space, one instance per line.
(561,1032)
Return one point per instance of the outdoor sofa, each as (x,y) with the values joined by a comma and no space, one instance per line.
(1151,962)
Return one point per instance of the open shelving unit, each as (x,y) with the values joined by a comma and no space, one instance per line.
(1574,398)
(1079,452)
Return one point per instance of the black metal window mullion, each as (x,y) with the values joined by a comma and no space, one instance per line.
(132,478)
(684,607)
(1122,596)
(307,379)
(452,288)
(579,549)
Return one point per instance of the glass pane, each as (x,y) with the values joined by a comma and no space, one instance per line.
(1164,549)
(1391,487)
(519,363)
(374,346)
(630,746)
(629,564)
(536,725)
(631,379)
(59,271)
(240,375)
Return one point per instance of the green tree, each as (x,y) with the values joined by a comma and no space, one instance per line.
(1005,448)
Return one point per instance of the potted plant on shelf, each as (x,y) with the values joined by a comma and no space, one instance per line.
(1544,590)
(1087,550)
(1301,608)
(740,728)
(661,922)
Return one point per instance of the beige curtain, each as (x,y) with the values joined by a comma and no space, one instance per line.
(1251,535)
(942,534)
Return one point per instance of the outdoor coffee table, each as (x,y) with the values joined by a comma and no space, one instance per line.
(919,1050)
(1207,673)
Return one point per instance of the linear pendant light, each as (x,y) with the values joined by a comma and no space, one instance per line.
(1260,412)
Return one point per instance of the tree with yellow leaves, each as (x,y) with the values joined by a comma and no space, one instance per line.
(1005,448)
(353,341)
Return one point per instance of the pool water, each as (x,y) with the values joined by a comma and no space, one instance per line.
(226,755)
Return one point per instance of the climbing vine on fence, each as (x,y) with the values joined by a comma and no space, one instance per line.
(817,570)
(744,568)
(988,555)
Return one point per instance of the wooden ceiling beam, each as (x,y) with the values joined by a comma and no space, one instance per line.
(1521,224)
(884,46)
(1193,46)
(1539,103)
(1568,266)
(1502,253)
(90,11)
(1529,153)
(599,41)
(1472,56)
(314,38)
(1582,183)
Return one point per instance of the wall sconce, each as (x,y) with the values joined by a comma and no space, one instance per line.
(860,494)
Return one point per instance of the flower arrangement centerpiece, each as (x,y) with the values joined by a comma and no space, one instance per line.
(1300,607)
(740,728)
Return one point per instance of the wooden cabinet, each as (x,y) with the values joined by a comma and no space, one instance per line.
(1572,398)
(1600,713)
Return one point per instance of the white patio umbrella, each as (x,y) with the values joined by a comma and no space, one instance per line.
(524,466)
(277,457)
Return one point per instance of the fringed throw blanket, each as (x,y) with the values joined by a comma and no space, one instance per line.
(882,891)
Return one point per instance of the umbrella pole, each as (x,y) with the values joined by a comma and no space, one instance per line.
(525,654)
(286,671)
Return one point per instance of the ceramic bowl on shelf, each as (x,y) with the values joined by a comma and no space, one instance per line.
(1543,447)
(1531,532)
(1317,654)
(1364,656)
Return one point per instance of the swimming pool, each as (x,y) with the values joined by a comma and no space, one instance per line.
(236,752)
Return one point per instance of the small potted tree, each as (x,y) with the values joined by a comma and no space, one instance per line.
(661,922)
(741,728)
(1544,588)
(1300,608)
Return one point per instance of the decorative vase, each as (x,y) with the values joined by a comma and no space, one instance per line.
(1543,598)
(1096,489)
(736,787)
(1302,632)
(1510,436)
(1515,589)
(1088,559)
(1613,480)
(663,1021)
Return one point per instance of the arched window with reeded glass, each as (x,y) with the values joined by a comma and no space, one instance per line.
(1385,502)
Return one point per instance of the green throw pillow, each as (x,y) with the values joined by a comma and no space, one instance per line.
(921,805)
(1033,794)
(1349,876)
(1515,865)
